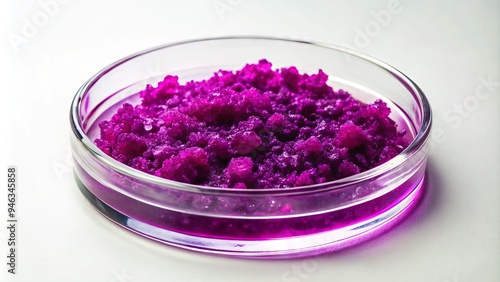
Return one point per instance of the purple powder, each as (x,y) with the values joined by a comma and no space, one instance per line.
(253,128)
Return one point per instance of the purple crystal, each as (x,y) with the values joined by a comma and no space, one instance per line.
(253,128)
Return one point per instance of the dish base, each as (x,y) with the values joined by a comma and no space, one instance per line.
(299,246)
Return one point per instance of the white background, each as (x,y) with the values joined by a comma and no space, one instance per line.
(448,47)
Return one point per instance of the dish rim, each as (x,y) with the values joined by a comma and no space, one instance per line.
(417,143)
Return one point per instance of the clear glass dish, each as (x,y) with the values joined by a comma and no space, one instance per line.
(287,222)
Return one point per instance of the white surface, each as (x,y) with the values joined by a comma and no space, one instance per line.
(447,47)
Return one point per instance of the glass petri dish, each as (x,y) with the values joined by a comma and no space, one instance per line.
(265,223)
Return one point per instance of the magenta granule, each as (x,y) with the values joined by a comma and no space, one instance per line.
(252,128)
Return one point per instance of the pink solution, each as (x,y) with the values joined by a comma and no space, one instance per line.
(252,227)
